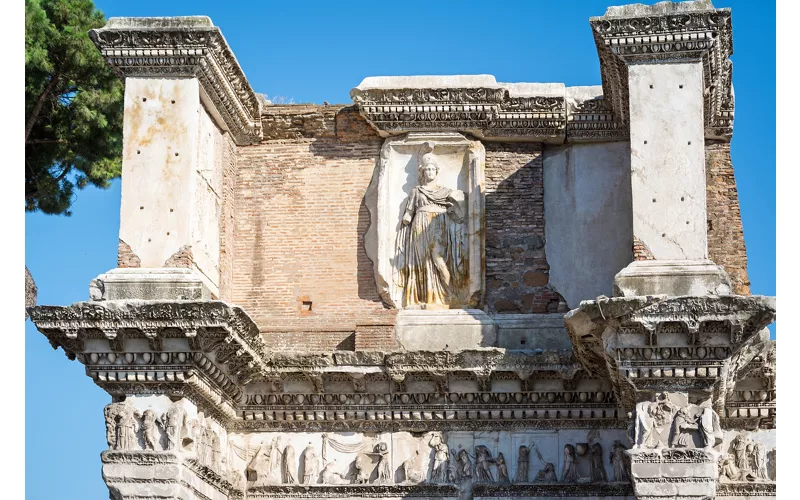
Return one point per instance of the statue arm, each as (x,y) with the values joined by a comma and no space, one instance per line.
(409,212)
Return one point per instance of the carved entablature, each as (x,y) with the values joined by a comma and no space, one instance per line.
(664,33)
(185,47)
(590,117)
(475,104)
(658,343)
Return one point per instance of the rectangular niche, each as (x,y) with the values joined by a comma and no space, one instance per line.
(434,259)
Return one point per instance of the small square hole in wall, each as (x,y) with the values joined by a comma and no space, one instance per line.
(522,342)
(306,306)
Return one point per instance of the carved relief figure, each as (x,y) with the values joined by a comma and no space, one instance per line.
(310,465)
(651,420)
(149,430)
(274,461)
(523,459)
(740,448)
(331,476)
(289,465)
(430,254)
(502,469)
(464,465)
(384,467)
(126,427)
(598,470)
(216,451)
(174,423)
(570,474)
(111,425)
(682,425)
(441,457)
(547,475)
(618,461)
(411,469)
(258,468)
(361,475)
(760,461)
(728,469)
(710,431)
(482,460)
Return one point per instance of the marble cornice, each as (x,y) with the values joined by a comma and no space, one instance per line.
(185,47)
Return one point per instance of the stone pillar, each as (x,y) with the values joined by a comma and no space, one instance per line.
(186,102)
(667,71)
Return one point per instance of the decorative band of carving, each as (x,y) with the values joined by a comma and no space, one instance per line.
(200,52)
(703,36)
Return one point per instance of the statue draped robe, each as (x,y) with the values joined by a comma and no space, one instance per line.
(431,250)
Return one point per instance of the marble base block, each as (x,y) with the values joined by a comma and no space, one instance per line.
(451,329)
(674,473)
(149,284)
(672,277)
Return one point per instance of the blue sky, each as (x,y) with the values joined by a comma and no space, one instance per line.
(315,52)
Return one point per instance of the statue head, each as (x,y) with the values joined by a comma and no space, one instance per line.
(428,167)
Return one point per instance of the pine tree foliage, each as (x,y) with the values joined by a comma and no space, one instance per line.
(73,105)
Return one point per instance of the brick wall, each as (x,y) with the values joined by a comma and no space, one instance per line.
(227,220)
(725,235)
(299,262)
(517,274)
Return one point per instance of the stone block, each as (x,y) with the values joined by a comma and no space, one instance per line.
(657,489)
(646,470)
(532,331)
(671,277)
(700,489)
(452,329)
(148,284)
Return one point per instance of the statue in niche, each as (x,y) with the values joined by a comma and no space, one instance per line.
(618,461)
(523,459)
(598,471)
(149,430)
(502,469)
(174,422)
(570,474)
(441,457)
(412,471)
(482,460)
(289,465)
(430,255)
(310,465)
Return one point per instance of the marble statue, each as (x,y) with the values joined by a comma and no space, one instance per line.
(728,469)
(710,431)
(310,465)
(523,459)
(740,443)
(362,472)
(441,457)
(598,471)
(431,244)
(652,419)
(570,474)
(618,461)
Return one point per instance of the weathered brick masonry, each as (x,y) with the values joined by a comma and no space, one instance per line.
(725,234)
(516,268)
(300,264)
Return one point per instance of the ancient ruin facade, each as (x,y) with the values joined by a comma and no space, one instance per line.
(451,288)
